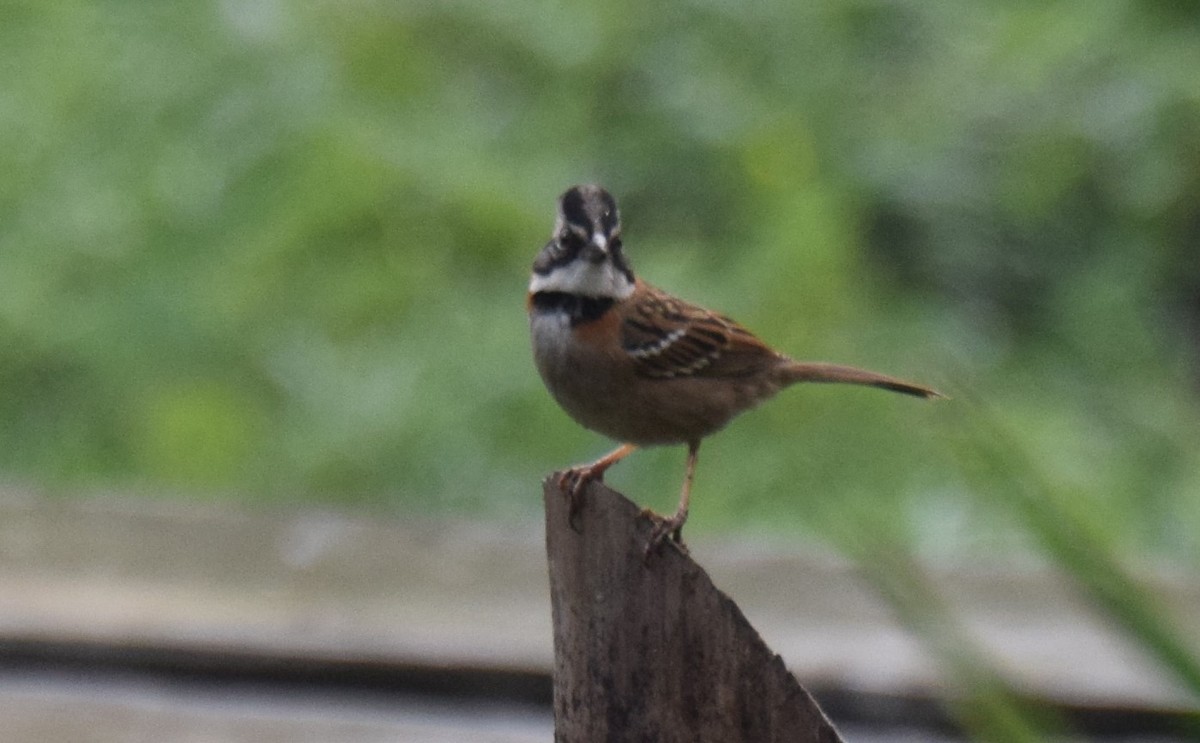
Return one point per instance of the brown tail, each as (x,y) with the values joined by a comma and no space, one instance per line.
(805,371)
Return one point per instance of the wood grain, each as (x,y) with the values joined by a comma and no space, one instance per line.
(651,650)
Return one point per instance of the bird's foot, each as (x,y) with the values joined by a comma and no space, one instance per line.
(666,528)
(572,483)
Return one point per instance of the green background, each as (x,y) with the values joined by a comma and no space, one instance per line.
(276,251)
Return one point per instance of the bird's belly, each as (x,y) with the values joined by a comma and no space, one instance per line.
(603,394)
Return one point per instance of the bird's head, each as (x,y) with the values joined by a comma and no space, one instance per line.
(584,257)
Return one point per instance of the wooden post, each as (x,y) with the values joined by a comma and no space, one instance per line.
(652,651)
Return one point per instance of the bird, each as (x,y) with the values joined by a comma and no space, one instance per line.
(641,366)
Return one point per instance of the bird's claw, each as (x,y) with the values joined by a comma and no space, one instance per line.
(572,483)
(664,527)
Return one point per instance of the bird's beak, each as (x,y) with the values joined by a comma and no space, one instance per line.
(597,249)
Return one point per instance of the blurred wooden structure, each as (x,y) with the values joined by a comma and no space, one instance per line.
(650,649)
(133,618)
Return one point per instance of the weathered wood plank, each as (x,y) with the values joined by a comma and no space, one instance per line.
(651,650)
(303,583)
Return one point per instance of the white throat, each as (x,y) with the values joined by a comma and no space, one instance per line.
(585,279)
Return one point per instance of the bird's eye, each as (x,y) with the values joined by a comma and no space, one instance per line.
(570,241)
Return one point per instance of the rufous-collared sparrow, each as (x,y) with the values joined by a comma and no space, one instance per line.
(640,366)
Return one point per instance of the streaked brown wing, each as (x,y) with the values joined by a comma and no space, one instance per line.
(668,338)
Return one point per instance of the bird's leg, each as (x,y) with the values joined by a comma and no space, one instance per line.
(573,481)
(673,525)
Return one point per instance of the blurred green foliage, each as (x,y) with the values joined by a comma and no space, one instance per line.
(278,249)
